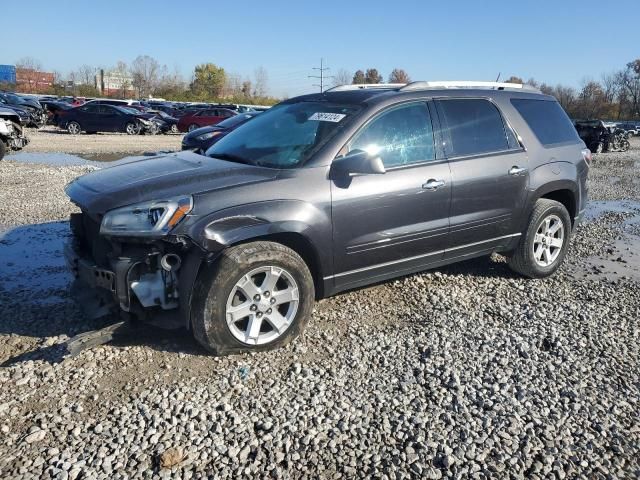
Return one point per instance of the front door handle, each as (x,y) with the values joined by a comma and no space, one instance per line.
(515,170)
(433,184)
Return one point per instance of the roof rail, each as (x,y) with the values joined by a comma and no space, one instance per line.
(364,86)
(466,84)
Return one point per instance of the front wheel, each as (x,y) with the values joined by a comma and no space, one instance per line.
(174,128)
(74,128)
(544,244)
(258,296)
(131,129)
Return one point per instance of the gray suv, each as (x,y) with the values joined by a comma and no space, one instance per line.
(328,192)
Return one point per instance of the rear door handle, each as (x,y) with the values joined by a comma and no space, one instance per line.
(515,170)
(433,184)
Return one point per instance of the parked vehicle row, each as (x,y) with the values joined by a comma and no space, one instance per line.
(201,139)
(29,110)
(11,132)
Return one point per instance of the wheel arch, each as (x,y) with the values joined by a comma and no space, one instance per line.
(300,244)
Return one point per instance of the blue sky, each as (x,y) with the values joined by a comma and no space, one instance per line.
(552,41)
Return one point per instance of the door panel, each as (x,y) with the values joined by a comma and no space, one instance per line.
(398,221)
(489,172)
(486,200)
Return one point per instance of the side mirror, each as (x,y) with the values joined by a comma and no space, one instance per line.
(358,162)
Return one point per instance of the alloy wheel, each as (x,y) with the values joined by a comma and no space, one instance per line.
(548,241)
(131,129)
(73,128)
(262,305)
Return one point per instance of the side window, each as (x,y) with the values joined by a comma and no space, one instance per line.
(91,109)
(547,119)
(473,127)
(401,136)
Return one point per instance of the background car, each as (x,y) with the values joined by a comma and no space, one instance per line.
(38,115)
(172,122)
(93,118)
(202,118)
(200,139)
(53,107)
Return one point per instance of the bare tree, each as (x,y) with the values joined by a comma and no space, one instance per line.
(146,71)
(246,88)
(342,77)
(629,80)
(29,63)
(358,77)
(398,75)
(261,79)
(28,68)
(86,74)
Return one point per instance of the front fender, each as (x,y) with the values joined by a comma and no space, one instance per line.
(242,223)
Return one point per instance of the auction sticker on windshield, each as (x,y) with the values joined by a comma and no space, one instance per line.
(327,117)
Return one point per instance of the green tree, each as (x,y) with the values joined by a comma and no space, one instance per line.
(209,80)
(358,77)
(372,76)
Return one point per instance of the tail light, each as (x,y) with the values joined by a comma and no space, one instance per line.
(586,154)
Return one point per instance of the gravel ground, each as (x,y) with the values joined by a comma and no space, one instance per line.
(53,139)
(463,372)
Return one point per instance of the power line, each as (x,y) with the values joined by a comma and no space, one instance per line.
(322,76)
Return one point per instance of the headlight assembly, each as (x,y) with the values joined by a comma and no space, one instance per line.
(148,219)
(208,135)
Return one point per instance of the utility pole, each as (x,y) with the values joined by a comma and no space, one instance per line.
(320,77)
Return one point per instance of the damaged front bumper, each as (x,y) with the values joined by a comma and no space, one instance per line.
(148,280)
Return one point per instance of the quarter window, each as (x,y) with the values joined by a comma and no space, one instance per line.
(547,119)
(473,127)
(401,136)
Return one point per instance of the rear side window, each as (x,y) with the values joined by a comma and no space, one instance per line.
(473,127)
(547,119)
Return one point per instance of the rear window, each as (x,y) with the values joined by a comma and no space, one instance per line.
(473,127)
(547,119)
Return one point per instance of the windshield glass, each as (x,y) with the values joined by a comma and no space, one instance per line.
(130,111)
(235,120)
(286,135)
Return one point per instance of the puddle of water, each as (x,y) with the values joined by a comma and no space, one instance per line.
(598,208)
(67,159)
(32,259)
(623,255)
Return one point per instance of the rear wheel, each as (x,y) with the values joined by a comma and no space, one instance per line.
(544,245)
(174,128)
(258,296)
(74,128)
(131,129)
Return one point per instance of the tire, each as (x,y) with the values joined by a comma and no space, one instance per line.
(3,149)
(599,148)
(74,128)
(524,259)
(174,128)
(241,268)
(131,129)
(192,127)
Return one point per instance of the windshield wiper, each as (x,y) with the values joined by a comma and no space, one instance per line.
(231,157)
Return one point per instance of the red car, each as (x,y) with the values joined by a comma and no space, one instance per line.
(202,118)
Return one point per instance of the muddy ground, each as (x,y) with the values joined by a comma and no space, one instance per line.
(467,371)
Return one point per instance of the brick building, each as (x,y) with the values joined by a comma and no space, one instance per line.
(33,81)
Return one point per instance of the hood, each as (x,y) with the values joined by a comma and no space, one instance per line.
(156,178)
(9,114)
